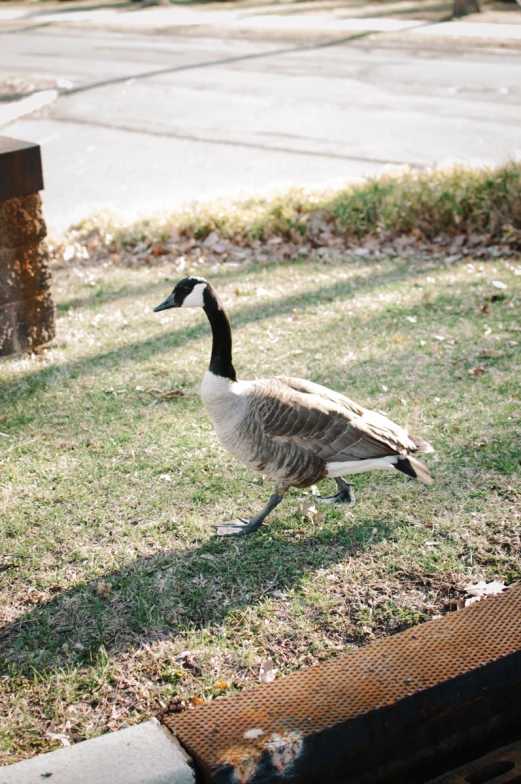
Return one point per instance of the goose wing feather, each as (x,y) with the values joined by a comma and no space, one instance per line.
(294,411)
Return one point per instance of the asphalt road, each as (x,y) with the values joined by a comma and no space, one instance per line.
(156,120)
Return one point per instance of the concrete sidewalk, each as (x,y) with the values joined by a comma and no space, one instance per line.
(144,754)
(339,21)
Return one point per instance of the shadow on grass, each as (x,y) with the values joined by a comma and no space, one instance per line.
(125,292)
(167,594)
(206,586)
(139,351)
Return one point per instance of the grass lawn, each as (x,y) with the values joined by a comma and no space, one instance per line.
(111,482)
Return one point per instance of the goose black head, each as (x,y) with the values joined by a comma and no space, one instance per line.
(188,293)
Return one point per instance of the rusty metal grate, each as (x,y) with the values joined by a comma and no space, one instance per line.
(501,767)
(408,695)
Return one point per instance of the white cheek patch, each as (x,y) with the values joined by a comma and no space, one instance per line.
(195,298)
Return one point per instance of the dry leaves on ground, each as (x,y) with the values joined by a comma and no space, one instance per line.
(310,511)
(102,589)
(267,672)
(481,590)
(160,394)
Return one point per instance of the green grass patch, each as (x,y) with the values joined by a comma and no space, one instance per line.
(110,488)
(464,200)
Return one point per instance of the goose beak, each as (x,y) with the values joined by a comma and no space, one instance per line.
(168,303)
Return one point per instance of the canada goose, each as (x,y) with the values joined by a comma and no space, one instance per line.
(294,431)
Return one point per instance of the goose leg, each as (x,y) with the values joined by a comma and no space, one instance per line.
(345,495)
(242,527)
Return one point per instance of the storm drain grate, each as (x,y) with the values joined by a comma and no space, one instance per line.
(404,700)
(501,767)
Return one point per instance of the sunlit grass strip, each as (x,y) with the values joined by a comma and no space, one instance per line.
(484,200)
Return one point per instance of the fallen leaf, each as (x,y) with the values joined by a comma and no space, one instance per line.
(34,596)
(160,394)
(479,591)
(102,589)
(182,655)
(61,736)
(484,589)
(267,671)
(197,700)
(159,250)
(397,338)
(190,664)
(221,685)
(309,510)
(489,352)
(477,444)
(477,371)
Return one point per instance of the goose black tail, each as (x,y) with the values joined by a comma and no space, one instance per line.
(413,467)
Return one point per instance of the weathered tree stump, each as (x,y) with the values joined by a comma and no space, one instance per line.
(26,309)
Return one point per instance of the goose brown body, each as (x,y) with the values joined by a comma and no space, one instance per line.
(294,431)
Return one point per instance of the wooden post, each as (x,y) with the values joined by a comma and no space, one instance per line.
(27,317)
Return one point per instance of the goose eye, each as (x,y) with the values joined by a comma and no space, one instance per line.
(186,289)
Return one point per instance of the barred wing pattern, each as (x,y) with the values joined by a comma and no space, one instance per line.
(309,419)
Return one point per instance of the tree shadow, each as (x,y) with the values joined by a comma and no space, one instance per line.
(164,595)
(142,350)
(230,60)
(126,292)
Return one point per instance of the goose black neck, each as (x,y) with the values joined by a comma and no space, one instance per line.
(221,359)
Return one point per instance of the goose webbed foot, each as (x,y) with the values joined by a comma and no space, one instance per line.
(241,527)
(344,497)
